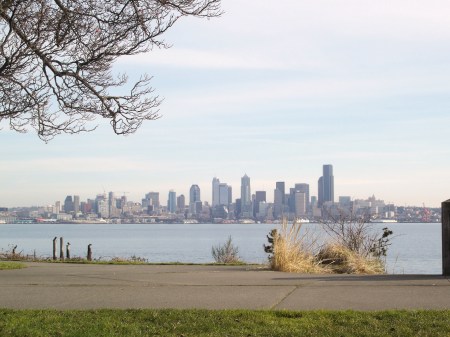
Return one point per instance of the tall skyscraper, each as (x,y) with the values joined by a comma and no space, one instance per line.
(223,194)
(172,202)
(76,203)
(194,194)
(153,199)
(300,204)
(320,191)
(280,185)
(303,188)
(68,204)
(260,196)
(277,203)
(181,202)
(215,192)
(326,185)
(246,197)
(194,198)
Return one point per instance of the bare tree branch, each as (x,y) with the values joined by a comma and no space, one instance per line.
(56,58)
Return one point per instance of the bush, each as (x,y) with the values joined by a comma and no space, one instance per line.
(226,253)
(292,251)
(355,248)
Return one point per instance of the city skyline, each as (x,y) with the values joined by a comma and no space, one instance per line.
(359,84)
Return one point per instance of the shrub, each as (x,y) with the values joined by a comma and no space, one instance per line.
(293,251)
(226,253)
(355,246)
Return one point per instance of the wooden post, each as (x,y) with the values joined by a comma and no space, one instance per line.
(446,238)
(54,248)
(68,250)
(89,253)
(61,248)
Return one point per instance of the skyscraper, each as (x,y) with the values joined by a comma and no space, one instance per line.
(194,194)
(246,197)
(172,202)
(280,185)
(181,202)
(68,204)
(303,188)
(215,192)
(223,194)
(260,196)
(194,197)
(326,185)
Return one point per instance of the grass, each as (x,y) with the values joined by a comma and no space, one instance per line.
(353,249)
(5,265)
(184,323)
(293,252)
(342,260)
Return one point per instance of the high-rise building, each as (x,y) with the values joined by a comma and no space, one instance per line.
(223,195)
(246,197)
(76,203)
(215,192)
(277,203)
(230,195)
(280,185)
(260,196)
(320,191)
(328,183)
(194,198)
(303,188)
(181,202)
(300,204)
(68,204)
(151,200)
(172,202)
(194,194)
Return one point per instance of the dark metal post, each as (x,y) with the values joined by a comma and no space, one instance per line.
(89,253)
(54,248)
(61,248)
(446,238)
(68,250)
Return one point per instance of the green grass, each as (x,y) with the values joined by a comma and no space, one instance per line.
(184,323)
(11,265)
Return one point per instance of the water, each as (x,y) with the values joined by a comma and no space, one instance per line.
(416,248)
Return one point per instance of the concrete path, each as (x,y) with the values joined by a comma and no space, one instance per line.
(76,286)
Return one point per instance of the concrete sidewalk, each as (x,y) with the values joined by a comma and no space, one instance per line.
(77,286)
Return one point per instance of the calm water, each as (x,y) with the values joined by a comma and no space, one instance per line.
(416,249)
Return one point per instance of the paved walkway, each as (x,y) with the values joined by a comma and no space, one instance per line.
(76,286)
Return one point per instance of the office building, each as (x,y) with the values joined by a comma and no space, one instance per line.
(303,188)
(246,197)
(326,185)
(172,202)
(195,203)
(215,192)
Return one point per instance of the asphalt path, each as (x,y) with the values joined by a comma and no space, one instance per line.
(89,286)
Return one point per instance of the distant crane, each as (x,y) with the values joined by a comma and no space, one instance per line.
(425,214)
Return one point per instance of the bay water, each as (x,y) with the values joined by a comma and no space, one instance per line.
(416,247)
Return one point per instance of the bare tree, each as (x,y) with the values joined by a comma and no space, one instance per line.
(56,58)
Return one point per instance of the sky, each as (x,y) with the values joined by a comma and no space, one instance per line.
(274,90)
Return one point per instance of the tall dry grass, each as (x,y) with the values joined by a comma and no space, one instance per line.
(294,251)
(340,259)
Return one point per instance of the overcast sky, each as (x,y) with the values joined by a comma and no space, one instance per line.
(273,89)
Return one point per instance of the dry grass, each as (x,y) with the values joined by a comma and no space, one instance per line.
(294,251)
(342,260)
(299,252)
